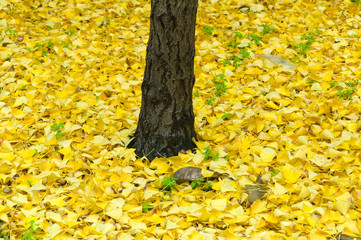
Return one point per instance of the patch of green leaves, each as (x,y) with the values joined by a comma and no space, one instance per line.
(208,30)
(236,58)
(197,183)
(295,60)
(234,43)
(106,22)
(243,52)
(345,92)
(29,234)
(333,83)
(255,39)
(58,128)
(196,94)
(225,62)
(349,90)
(220,86)
(38,46)
(302,48)
(238,35)
(207,186)
(65,44)
(356,1)
(146,207)
(226,116)
(210,101)
(267,29)
(45,48)
(3,237)
(209,155)
(8,31)
(236,61)
(310,81)
(49,44)
(9,57)
(70,32)
(200,183)
(168,184)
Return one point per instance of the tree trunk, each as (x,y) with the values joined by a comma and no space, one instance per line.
(166,119)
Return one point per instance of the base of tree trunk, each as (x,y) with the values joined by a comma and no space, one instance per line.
(166,119)
(160,148)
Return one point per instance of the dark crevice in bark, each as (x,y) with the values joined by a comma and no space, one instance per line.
(166,119)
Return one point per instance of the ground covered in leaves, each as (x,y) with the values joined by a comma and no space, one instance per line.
(277,93)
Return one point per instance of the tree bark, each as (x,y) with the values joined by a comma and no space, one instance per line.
(166,119)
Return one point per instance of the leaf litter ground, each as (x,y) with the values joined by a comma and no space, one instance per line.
(277,93)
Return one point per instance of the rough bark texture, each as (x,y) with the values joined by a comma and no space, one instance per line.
(166,119)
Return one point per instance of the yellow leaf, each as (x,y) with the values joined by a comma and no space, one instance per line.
(316,87)
(258,207)
(100,140)
(58,202)
(155,219)
(267,154)
(198,158)
(305,193)
(160,164)
(217,185)
(65,151)
(55,217)
(228,187)
(116,214)
(279,189)
(3,21)
(171,225)
(290,175)
(6,146)
(352,228)
(327,134)
(219,204)
(205,173)
(343,203)
(137,225)
(7,156)
(149,193)
(27,153)
(53,230)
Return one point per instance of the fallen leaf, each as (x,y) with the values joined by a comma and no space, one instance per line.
(188,174)
(287,65)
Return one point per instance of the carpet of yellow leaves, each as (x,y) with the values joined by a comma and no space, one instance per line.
(70,96)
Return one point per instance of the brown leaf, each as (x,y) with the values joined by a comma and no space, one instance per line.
(183,151)
(61,182)
(287,65)
(259,179)
(257,191)
(7,190)
(344,237)
(188,174)
(20,38)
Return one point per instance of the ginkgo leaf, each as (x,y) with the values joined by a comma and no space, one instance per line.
(256,191)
